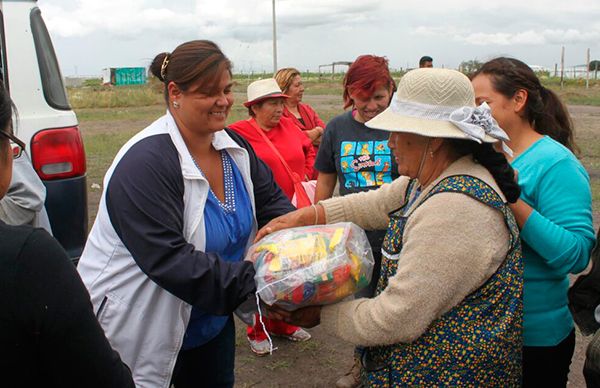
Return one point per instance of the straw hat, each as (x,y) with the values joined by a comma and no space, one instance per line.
(263,89)
(438,103)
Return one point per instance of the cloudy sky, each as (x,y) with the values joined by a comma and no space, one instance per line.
(91,35)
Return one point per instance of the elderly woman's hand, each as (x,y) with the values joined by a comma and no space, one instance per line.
(304,317)
(315,135)
(311,215)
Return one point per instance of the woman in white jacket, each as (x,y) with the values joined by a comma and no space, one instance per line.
(181,202)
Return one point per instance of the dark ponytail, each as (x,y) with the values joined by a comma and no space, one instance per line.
(555,120)
(495,162)
(543,110)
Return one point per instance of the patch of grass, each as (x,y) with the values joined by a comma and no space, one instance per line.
(278,364)
(553,82)
(245,359)
(101,149)
(574,91)
(324,87)
(93,82)
(115,96)
(579,95)
(589,143)
(328,114)
(331,362)
(595,183)
(126,113)
(311,346)
(579,99)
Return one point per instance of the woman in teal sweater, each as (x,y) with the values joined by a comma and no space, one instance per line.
(554,211)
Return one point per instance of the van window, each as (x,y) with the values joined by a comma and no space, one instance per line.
(52,83)
(3,75)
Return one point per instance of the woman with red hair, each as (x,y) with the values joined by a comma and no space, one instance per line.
(358,157)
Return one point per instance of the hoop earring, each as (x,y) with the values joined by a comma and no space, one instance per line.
(176,105)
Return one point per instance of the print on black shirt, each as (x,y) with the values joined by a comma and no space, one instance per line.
(365,164)
(359,155)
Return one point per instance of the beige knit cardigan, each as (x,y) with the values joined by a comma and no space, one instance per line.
(452,245)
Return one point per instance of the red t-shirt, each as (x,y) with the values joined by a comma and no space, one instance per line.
(295,147)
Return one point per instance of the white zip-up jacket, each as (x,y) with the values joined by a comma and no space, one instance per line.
(144,264)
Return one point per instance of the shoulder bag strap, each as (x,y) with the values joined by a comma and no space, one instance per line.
(295,178)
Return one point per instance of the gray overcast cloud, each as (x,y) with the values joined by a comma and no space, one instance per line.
(91,35)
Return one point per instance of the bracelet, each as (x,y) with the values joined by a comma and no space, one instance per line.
(316,213)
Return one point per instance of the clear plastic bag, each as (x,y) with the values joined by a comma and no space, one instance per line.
(311,265)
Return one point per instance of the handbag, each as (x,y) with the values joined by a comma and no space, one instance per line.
(301,197)
(310,187)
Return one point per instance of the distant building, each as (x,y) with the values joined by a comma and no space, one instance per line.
(124,76)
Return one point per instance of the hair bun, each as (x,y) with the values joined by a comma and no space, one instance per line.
(159,65)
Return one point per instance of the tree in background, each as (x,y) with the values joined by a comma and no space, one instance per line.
(469,67)
(594,65)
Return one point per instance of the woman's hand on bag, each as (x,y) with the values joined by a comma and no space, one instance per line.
(301,217)
(304,317)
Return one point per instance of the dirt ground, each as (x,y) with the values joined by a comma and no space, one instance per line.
(320,361)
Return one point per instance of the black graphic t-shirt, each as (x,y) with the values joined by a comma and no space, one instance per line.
(359,155)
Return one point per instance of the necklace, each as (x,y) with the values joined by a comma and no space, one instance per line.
(229,205)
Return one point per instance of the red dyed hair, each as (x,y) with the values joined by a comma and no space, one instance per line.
(367,74)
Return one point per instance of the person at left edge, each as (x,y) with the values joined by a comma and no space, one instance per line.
(50,336)
(23,204)
(181,203)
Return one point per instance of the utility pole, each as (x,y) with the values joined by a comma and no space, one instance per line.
(587,69)
(562,67)
(274,41)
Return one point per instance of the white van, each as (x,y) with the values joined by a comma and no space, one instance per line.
(46,122)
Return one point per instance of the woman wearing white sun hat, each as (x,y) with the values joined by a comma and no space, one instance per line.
(279,143)
(448,307)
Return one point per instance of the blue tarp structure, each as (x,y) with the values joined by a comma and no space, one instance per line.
(128,76)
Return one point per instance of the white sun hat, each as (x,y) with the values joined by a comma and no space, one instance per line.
(438,103)
(263,89)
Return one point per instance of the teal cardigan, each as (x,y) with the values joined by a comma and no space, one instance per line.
(557,237)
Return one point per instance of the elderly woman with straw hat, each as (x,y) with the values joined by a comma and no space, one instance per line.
(266,127)
(290,155)
(448,306)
